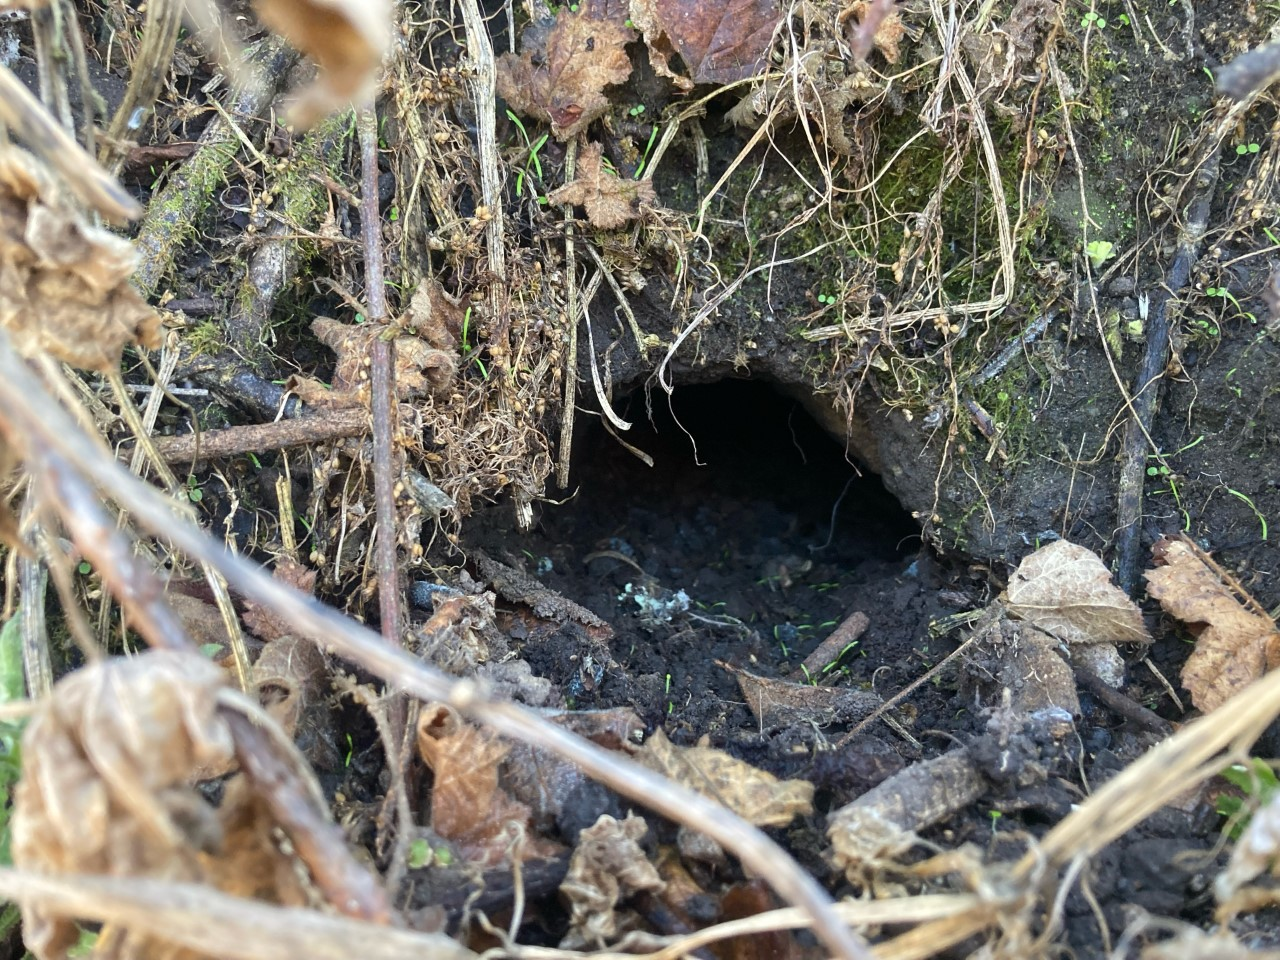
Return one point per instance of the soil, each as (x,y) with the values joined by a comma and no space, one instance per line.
(788,483)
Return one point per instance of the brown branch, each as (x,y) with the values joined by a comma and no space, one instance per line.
(318,427)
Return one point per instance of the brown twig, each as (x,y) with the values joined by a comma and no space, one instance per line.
(21,395)
(255,437)
(382,380)
(1146,387)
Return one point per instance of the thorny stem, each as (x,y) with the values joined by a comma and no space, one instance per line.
(21,395)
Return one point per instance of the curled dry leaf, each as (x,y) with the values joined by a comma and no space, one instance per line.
(718,42)
(758,797)
(346,38)
(565,64)
(610,201)
(778,704)
(607,867)
(420,368)
(64,285)
(293,687)
(108,763)
(1066,591)
(261,621)
(468,806)
(873,23)
(1234,646)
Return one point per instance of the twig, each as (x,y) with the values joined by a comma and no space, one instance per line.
(319,427)
(382,376)
(1146,387)
(146,77)
(571,313)
(28,416)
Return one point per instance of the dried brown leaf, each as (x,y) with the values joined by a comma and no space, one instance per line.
(778,704)
(436,317)
(64,285)
(565,64)
(421,369)
(758,797)
(610,200)
(346,38)
(1234,646)
(108,763)
(607,867)
(719,42)
(1066,591)
(293,684)
(468,806)
(884,23)
(261,621)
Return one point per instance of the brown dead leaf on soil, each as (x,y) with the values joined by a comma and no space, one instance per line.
(264,623)
(468,806)
(421,369)
(607,867)
(108,763)
(1234,646)
(1065,590)
(758,797)
(887,26)
(565,64)
(777,704)
(718,42)
(64,285)
(610,200)
(346,38)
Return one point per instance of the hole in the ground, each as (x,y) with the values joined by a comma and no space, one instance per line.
(750,552)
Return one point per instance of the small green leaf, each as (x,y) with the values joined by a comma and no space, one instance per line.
(419,854)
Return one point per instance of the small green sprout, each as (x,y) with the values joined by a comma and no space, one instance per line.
(636,111)
(193,491)
(84,568)
(1258,782)
(826,299)
(1092,19)
(1246,148)
(1099,252)
(419,854)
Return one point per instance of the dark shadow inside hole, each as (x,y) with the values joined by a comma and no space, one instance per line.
(766,482)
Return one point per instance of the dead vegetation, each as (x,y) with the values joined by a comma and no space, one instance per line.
(273,778)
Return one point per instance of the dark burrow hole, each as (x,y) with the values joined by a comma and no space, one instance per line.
(750,551)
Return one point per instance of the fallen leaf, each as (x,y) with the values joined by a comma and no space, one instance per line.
(565,64)
(108,763)
(261,621)
(778,704)
(881,20)
(718,42)
(1234,646)
(421,369)
(606,868)
(758,797)
(610,200)
(346,38)
(468,806)
(64,285)
(1066,591)
(293,684)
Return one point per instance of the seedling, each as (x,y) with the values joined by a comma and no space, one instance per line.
(1243,149)
(1099,251)
(467,348)
(648,152)
(1093,19)
(193,491)
(1260,785)
(1225,294)
(826,299)
(636,111)
(533,161)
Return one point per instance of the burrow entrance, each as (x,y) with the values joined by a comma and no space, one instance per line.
(748,540)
